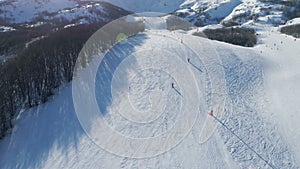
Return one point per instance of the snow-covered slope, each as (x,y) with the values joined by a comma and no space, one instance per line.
(21,11)
(162,6)
(294,21)
(222,9)
(234,12)
(257,86)
(282,78)
(199,12)
(68,146)
(264,12)
(39,11)
(252,91)
(207,12)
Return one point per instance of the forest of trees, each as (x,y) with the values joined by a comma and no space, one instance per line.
(30,77)
(293,30)
(237,36)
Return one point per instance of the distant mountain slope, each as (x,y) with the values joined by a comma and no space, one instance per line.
(199,12)
(69,11)
(238,12)
(24,11)
(207,12)
(138,6)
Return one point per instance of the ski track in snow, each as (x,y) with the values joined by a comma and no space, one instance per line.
(57,140)
(243,114)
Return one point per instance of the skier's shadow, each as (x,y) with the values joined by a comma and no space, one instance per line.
(200,70)
(177,91)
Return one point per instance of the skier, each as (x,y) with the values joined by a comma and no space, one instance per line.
(188,60)
(211,113)
(172,85)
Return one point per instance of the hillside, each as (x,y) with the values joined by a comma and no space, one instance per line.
(152,90)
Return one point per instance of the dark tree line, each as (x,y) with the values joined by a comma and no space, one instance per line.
(237,36)
(28,79)
(293,30)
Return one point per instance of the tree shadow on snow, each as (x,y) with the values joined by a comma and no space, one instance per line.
(54,126)
(108,67)
(48,127)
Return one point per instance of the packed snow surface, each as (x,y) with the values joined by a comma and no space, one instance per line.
(257,98)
